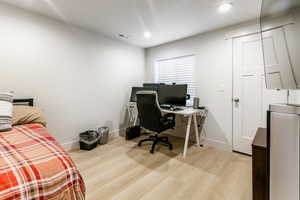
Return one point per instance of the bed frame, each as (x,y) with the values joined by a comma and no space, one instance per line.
(23,102)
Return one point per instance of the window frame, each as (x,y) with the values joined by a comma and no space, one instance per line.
(192,84)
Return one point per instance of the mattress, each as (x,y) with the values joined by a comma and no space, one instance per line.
(34,166)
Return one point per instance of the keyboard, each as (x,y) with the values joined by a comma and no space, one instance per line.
(165,106)
(172,108)
(176,109)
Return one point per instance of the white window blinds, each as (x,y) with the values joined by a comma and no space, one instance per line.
(179,70)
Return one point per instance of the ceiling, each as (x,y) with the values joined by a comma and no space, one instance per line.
(167,20)
(271,7)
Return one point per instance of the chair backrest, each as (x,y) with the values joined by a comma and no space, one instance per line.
(149,110)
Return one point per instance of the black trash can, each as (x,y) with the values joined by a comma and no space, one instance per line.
(88,140)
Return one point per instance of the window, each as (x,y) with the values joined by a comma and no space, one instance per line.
(180,70)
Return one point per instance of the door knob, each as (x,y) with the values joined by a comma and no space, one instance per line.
(236,100)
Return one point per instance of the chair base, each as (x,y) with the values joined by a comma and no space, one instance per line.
(156,140)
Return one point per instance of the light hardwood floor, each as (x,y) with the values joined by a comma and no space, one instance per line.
(121,170)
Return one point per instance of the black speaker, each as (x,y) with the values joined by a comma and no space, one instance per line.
(133,132)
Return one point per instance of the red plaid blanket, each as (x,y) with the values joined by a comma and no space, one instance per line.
(34,166)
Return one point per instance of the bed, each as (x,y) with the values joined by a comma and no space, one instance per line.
(34,166)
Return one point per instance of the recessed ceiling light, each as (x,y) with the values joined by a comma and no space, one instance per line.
(123,36)
(225,7)
(147,34)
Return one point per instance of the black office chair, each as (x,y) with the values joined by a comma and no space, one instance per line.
(151,118)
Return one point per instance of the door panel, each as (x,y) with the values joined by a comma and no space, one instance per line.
(271,58)
(249,88)
(251,105)
(277,60)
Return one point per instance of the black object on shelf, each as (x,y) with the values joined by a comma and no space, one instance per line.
(88,140)
(133,132)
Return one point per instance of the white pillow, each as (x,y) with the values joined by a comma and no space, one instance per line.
(6,105)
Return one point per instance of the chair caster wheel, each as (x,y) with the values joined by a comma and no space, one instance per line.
(139,144)
(171,147)
(151,151)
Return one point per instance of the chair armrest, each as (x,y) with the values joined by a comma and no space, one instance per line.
(169,116)
(168,121)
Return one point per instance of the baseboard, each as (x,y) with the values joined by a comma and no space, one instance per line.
(74,145)
(210,142)
(218,144)
(118,132)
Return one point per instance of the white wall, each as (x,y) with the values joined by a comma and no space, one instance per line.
(81,80)
(213,75)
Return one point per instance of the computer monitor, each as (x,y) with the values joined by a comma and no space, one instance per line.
(150,84)
(153,85)
(134,90)
(172,94)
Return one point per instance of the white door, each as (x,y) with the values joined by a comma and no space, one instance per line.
(251,99)
(278,66)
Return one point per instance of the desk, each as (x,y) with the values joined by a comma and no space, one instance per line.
(192,115)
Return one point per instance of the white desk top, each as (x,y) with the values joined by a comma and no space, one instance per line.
(186,111)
